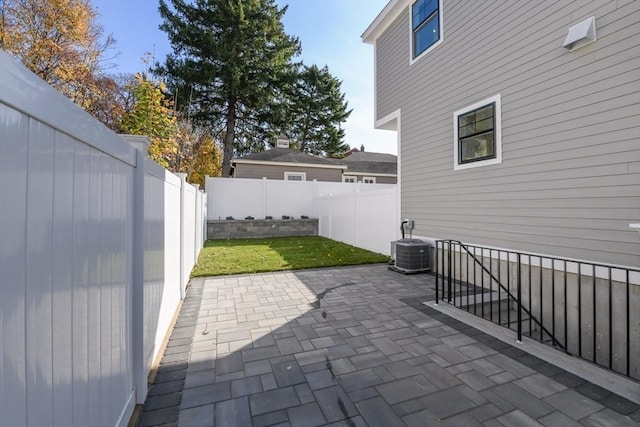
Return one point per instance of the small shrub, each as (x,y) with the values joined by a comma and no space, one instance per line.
(304,217)
(268,217)
(249,217)
(286,217)
(229,218)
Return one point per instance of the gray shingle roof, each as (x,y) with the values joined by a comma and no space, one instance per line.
(359,162)
(363,162)
(365,156)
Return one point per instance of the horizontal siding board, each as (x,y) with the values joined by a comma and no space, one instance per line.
(623,71)
(569,183)
(579,106)
(606,110)
(562,207)
(550,171)
(518,218)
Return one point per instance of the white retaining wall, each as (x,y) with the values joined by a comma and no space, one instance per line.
(90,250)
(363,215)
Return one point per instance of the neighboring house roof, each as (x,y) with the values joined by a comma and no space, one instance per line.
(364,162)
(358,163)
(288,156)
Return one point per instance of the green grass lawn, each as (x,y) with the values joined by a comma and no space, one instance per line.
(221,257)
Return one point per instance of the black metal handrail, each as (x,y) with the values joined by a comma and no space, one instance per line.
(517,298)
(449,268)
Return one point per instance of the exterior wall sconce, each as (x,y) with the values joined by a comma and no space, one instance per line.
(581,34)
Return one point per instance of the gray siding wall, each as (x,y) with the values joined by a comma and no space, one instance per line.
(277,172)
(569,183)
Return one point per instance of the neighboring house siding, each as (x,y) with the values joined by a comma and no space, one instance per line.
(569,182)
(258,171)
(386,179)
(379,179)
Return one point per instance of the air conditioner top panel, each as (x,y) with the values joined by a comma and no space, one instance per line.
(411,242)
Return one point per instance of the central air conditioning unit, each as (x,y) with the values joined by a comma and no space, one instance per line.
(411,255)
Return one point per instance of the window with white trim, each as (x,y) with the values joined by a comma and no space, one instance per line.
(351,179)
(295,176)
(369,179)
(477,134)
(426,26)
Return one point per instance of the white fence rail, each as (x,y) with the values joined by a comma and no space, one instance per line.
(91,240)
(363,215)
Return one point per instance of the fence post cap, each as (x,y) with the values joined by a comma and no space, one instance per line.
(139,142)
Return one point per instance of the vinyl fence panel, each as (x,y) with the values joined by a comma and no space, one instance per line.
(289,198)
(90,238)
(242,197)
(363,215)
(61,364)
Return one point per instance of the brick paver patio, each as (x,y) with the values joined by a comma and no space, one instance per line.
(354,347)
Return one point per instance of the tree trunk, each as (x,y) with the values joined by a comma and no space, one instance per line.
(229,137)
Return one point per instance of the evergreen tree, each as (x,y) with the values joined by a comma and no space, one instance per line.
(317,111)
(229,59)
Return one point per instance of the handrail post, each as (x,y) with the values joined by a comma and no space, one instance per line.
(519,299)
(449,273)
(437,272)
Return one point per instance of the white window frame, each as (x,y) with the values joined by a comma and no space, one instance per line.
(349,179)
(368,178)
(412,60)
(497,134)
(288,174)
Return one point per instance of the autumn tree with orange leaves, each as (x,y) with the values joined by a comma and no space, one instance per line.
(62,42)
(153,116)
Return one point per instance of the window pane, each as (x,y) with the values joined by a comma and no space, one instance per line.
(294,177)
(485,112)
(422,9)
(477,148)
(484,125)
(466,125)
(426,35)
(476,121)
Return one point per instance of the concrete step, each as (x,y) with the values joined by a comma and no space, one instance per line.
(501,309)
(496,307)
(487,303)
(509,319)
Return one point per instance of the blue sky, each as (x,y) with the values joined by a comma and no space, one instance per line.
(329,31)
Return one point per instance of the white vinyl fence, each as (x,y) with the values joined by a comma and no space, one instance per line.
(363,215)
(95,240)
(367,220)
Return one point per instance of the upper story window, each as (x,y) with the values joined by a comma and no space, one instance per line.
(295,176)
(477,134)
(425,25)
